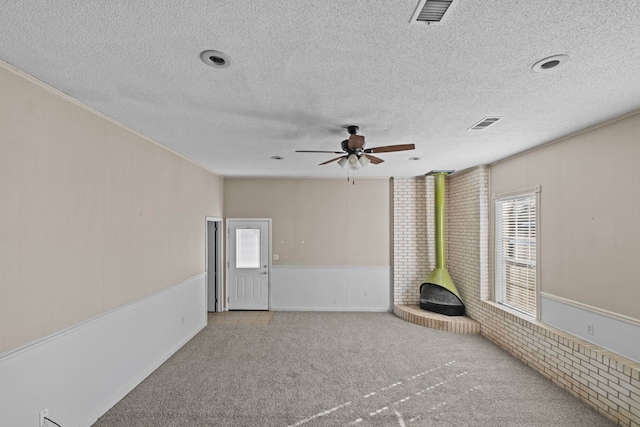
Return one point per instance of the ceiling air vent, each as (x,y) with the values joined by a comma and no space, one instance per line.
(432,11)
(484,123)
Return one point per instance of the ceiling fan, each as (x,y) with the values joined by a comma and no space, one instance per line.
(355,155)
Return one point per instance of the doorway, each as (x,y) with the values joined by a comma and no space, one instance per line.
(214,263)
(249,264)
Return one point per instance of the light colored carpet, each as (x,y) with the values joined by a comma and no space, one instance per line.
(335,369)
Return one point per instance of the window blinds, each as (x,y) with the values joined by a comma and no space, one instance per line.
(516,230)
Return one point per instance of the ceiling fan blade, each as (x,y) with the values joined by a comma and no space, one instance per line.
(375,160)
(356,141)
(314,151)
(333,160)
(390,148)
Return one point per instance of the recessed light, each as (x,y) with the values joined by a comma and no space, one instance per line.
(549,63)
(277,157)
(414,158)
(216,59)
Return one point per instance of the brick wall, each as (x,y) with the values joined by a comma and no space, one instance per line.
(606,381)
(467,235)
(412,261)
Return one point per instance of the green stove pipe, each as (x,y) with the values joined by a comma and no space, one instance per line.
(441,253)
(440,276)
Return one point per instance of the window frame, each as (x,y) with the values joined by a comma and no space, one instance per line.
(499,285)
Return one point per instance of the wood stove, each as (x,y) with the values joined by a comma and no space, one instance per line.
(439,294)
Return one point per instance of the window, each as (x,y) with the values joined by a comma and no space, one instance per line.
(516,251)
(247,247)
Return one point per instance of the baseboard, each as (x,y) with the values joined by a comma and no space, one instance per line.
(82,371)
(335,309)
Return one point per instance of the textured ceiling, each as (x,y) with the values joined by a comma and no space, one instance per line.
(301,70)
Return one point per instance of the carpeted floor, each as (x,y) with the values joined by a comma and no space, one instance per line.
(339,369)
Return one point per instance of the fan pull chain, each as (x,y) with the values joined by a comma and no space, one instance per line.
(353,181)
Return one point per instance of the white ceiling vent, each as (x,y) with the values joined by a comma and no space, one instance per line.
(484,123)
(432,11)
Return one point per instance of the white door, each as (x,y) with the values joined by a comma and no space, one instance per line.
(248,257)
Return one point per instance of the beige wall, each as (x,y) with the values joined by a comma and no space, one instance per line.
(318,221)
(92,216)
(590,214)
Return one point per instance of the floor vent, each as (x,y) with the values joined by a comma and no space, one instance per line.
(432,11)
(484,123)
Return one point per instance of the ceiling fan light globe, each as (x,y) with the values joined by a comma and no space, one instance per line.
(353,162)
(343,162)
(364,161)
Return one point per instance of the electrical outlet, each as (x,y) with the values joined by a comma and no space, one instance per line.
(43,413)
(276,257)
(590,328)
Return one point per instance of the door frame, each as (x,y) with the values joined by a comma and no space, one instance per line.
(269,223)
(219,261)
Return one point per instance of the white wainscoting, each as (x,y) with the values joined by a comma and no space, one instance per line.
(614,332)
(81,372)
(331,288)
